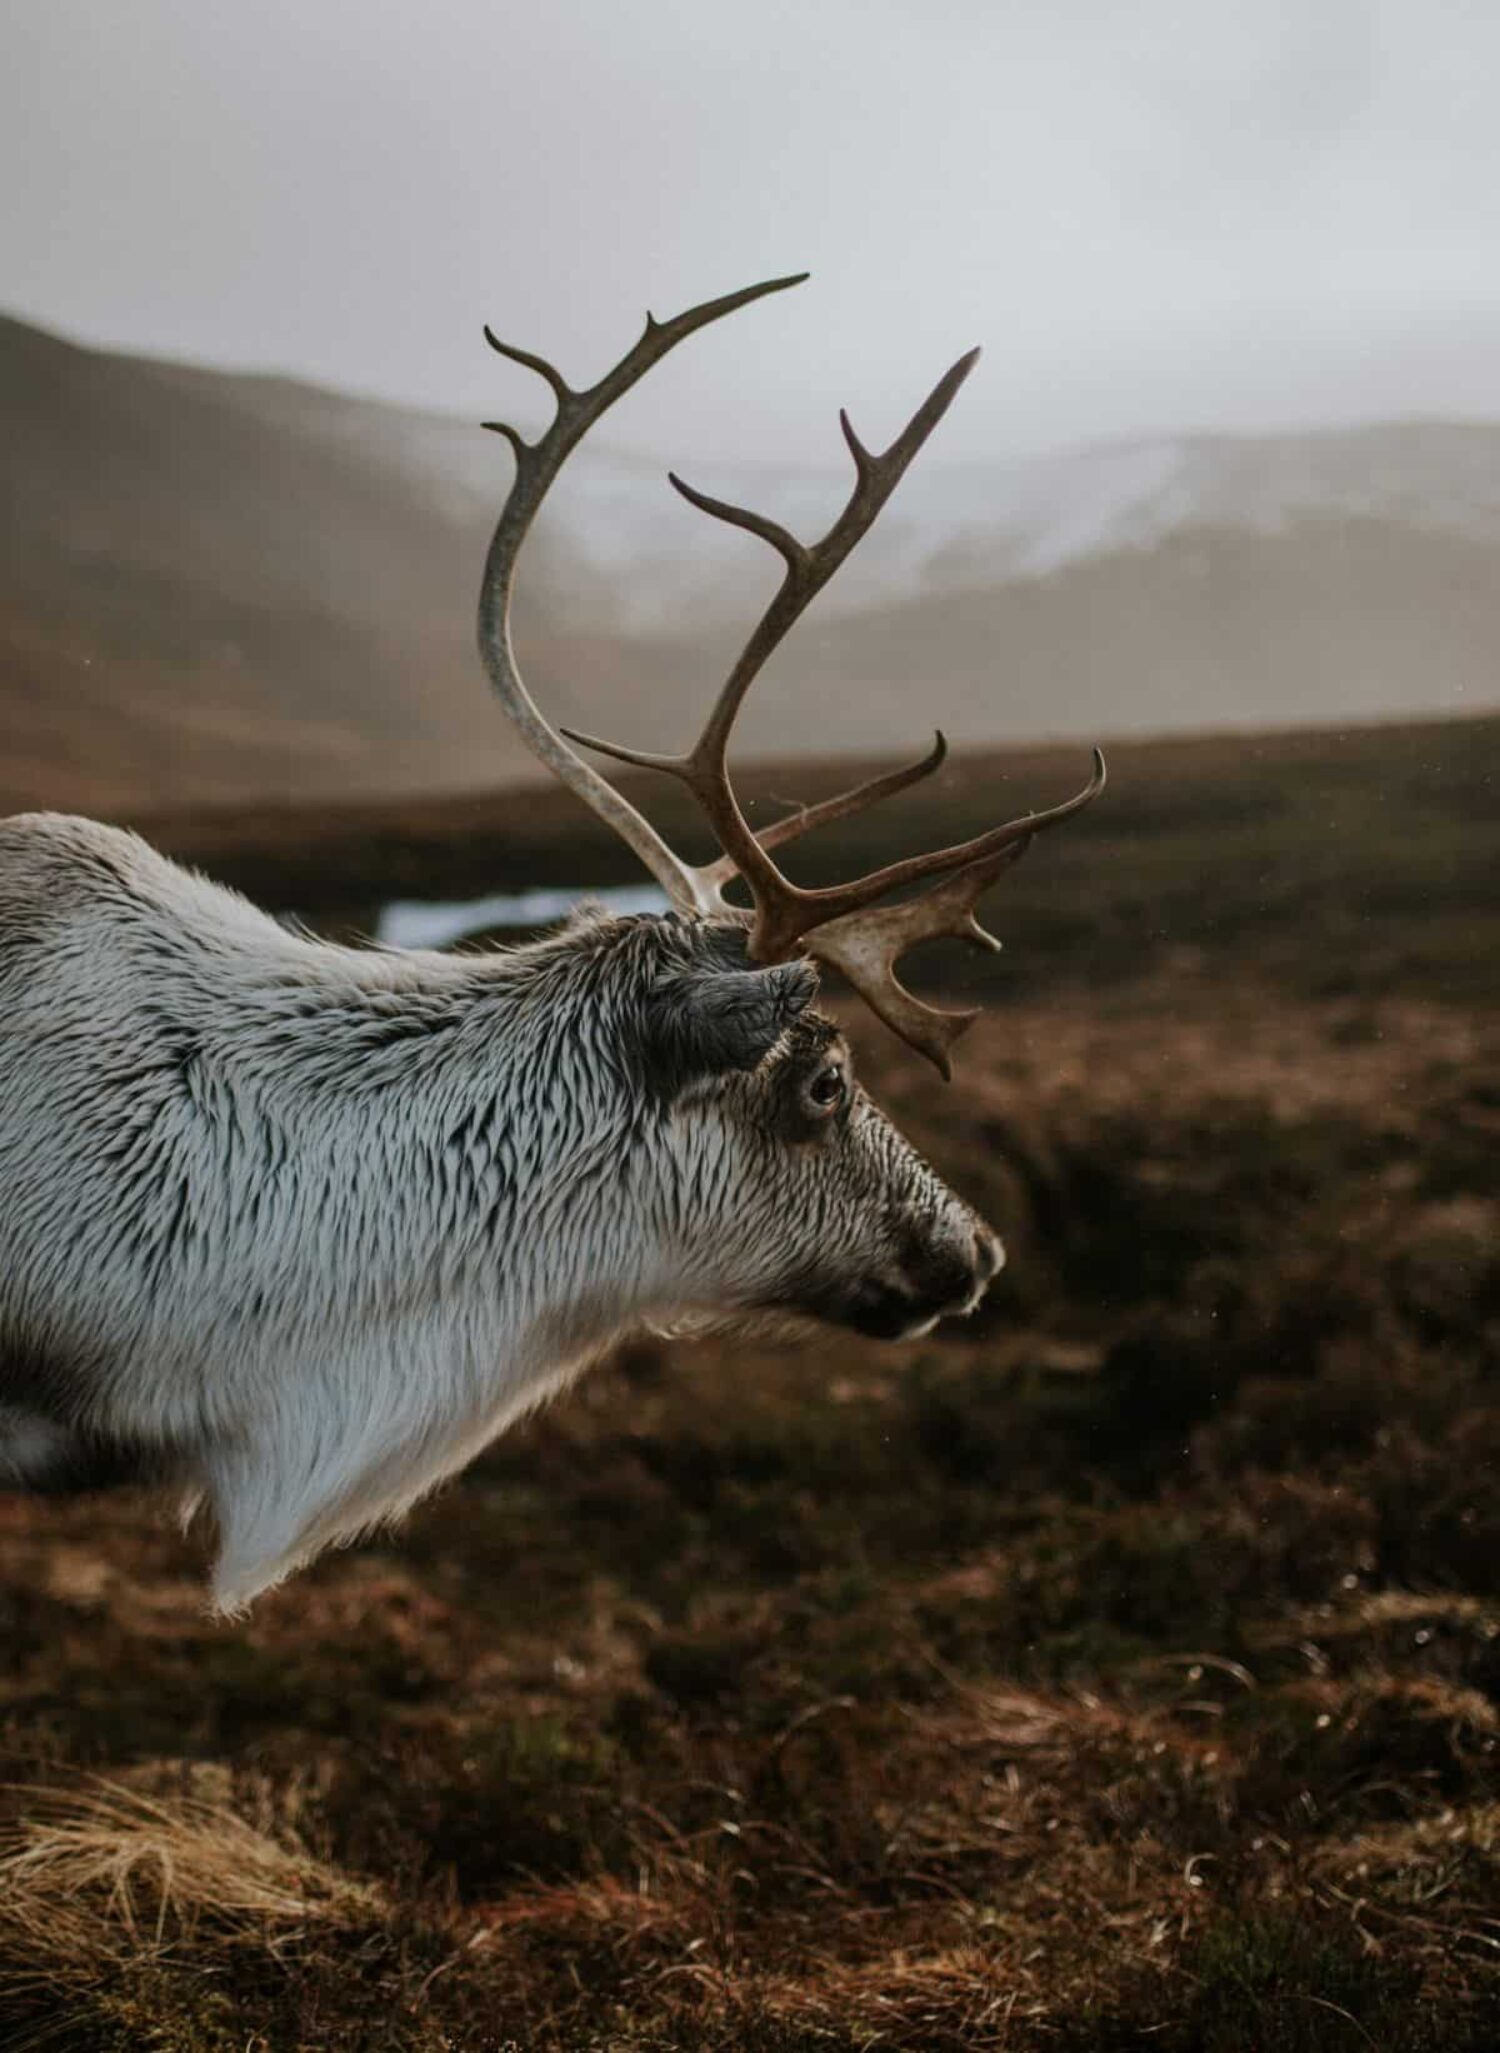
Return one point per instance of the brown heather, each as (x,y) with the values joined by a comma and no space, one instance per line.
(1121,1670)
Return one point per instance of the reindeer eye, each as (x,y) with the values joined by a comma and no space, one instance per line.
(826,1089)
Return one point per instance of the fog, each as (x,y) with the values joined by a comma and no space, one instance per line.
(1178,213)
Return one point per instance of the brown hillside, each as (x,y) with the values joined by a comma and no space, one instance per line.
(215,588)
(220,590)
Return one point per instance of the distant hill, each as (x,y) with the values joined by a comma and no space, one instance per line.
(220,589)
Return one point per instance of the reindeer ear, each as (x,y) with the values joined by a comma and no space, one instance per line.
(701,1022)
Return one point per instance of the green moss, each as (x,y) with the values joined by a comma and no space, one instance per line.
(1271,1981)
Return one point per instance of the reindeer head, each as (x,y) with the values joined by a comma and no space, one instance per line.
(827,1208)
(760,1175)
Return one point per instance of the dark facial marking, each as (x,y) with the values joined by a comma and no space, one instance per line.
(703,1020)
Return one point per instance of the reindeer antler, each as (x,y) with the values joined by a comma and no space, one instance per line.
(841,924)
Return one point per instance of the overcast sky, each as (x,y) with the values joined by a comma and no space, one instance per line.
(1152,213)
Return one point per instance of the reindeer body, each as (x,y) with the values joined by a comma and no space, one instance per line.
(299,1228)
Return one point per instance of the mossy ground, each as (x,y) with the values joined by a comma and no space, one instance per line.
(1119,1670)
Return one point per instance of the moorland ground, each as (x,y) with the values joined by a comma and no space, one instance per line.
(1118,1669)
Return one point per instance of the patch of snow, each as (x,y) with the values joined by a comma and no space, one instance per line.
(968,523)
(422,923)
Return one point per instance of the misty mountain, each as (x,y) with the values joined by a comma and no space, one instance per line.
(230,588)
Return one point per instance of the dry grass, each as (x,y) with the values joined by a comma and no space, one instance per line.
(1119,1671)
(1122,1670)
(102,1877)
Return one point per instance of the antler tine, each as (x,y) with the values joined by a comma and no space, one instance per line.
(811,567)
(537,464)
(783,913)
(741,517)
(806,819)
(561,389)
(803,819)
(788,913)
(817,908)
(866,945)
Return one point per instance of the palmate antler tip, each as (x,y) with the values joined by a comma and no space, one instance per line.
(938,1041)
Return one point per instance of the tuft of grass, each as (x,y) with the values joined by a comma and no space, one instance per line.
(101,1872)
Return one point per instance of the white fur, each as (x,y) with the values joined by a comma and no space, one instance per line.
(310,1224)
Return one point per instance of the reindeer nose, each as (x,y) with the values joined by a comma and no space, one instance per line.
(989,1254)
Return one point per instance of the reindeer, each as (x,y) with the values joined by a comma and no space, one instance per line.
(297,1229)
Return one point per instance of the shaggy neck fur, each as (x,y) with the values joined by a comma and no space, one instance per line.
(434,1184)
(300,1228)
